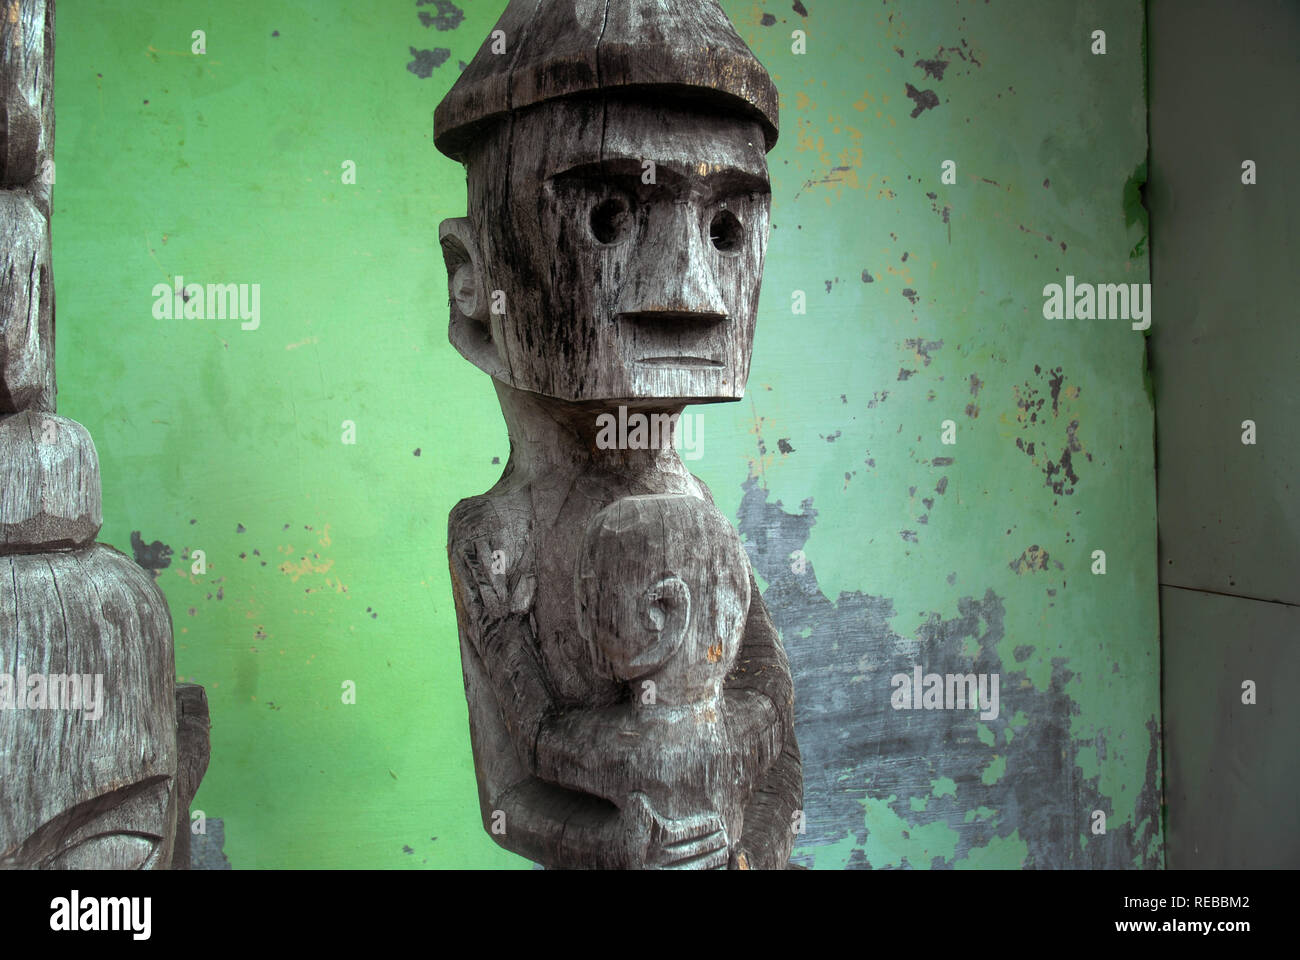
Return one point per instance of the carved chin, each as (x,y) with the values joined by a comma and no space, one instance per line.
(686,384)
(685,378)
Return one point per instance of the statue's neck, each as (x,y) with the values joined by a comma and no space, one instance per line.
(568,438)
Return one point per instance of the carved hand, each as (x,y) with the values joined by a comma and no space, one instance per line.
(696,842)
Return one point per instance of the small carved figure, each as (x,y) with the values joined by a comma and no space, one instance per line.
(662,597)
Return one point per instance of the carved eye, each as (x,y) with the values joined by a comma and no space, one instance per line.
(726,232)
(109,851)
(611,220)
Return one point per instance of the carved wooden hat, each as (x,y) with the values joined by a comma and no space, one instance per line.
(544,49)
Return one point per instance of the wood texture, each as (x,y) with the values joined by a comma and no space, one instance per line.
(88,735)
(26,306)
(662,594)
(49,484)
(26,93)
(193,751)
(26,156)
(692,46)
(541,707)
(557,48)
(617,222)
(86,788)
(660,310)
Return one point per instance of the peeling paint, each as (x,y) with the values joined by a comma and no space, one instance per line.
(1029,790)
(924,100)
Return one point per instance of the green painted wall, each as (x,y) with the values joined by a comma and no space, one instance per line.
(326,561)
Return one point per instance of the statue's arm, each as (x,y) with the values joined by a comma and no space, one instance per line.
(541,821)
(615,751)
(566,747)
(597,750)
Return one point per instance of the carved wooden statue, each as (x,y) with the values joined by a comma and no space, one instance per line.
(630,701)
(88,719)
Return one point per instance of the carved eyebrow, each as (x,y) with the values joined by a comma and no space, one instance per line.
(94,817)
(674,172)
(738,178)
(613,167)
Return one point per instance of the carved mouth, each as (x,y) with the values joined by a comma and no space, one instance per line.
(680,362)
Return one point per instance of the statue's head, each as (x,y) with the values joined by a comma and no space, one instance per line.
(618,201)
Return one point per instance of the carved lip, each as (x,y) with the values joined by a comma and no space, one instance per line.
(680,362)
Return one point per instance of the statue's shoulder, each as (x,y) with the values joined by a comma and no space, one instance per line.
(488,547)
(472,519)
(499,513)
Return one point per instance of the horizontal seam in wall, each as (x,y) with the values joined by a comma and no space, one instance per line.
(1235,596)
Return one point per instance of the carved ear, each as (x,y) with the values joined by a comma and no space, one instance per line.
(470,330)
(665,609)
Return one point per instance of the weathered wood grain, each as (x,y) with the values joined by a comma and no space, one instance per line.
(193,751)
(26,93)
(471,325)
(482,91)
(550,49)
(538,703)
(662,594)
(26,306)
(89,740)
(49,484)
(690,45)
(617,223)
(657,308)
(86,787)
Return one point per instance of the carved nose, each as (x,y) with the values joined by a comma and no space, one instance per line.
(673,279)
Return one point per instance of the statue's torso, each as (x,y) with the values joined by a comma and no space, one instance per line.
(535,525)
(539,524)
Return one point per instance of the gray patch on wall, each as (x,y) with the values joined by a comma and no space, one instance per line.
(924,100)
(856,747)
(449,15)
(206,851)
(152,556)
(426,61)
